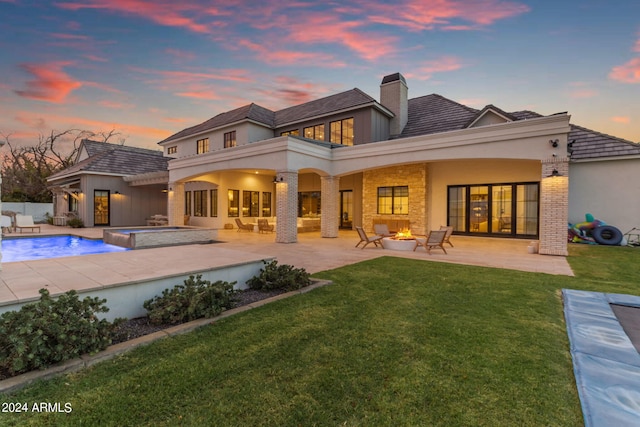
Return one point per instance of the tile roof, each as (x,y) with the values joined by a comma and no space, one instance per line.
(251,112)
(435,113)
(590,144)
(116,159)
(341,101)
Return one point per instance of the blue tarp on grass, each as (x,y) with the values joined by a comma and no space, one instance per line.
(605,362)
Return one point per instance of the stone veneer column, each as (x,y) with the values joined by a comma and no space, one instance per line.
(330,190)
(175,203)
(554,206)
(287,207)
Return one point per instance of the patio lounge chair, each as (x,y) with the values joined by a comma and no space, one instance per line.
(435,239)
(263,225)
(382,230)
(449,231)
(5,223)
(376,240)
(26,221)
(243,226)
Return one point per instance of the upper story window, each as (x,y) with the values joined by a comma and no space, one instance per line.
(315,132)
(295,132)
(230,139)
(172,150)
(342,131)
(203,146)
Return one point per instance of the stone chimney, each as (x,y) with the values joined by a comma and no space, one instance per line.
(394,96)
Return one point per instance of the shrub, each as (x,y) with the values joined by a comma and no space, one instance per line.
(195,299)
(284,277)
(75,223)
(51,331)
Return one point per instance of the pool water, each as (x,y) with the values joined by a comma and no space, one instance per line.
(31,248)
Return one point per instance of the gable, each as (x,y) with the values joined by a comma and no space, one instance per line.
(490,115)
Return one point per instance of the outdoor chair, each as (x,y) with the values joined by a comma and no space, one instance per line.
(382,230)
(26,221)
(434,240)
(376,240)
(449,231)
(243,226)
(263,226)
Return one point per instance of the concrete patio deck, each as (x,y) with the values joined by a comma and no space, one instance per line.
(21,280)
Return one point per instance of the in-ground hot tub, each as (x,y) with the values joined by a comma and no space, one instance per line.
(150,237)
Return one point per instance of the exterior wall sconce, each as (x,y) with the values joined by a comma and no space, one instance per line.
(277,179)
(116,192)
(554,173)
(554,142)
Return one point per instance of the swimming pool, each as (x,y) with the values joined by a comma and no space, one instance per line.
(32,248)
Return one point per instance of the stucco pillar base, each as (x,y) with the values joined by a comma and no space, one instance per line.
(175,203)
(554,206)
(287,207)
(330,220)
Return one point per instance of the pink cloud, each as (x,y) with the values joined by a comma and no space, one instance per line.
(51,83)
(289,57)
(181,14)
(627,73)
(427,69)
(621,119)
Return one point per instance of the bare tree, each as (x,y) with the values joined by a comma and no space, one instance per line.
(25,169)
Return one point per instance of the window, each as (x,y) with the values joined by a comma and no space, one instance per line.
(187,202)
(266,204)
(342,132)
(250,203)
(200,203)
(309,204)
(315,132)
(393,200)
(294,132)
(213,210)
(172,150)
(230,139)
(203,146)
(510,209)
(234,203)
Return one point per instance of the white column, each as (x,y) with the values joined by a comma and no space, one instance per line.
(330,217)
(287,207)
(175,203)
(554,206)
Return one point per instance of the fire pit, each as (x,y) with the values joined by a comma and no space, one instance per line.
(402,241)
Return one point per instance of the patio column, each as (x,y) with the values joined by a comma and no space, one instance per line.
(286,206)
(175,203)
(554,206)
(330,220)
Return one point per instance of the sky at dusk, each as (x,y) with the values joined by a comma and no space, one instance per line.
(149,68)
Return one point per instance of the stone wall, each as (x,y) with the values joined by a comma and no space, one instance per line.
(554,207)
(414,176)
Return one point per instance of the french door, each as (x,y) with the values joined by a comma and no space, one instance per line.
(494,209)
(101,207)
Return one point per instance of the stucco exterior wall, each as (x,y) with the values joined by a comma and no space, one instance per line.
(609,190)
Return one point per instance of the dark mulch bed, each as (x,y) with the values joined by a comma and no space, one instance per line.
(134,328)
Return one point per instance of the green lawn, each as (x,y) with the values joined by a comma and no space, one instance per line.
(393,342)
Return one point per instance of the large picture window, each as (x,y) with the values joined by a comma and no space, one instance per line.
(200,203)
(266,204)
(187,202)
(250,203)
(510,209)
(233,197)
(342,131)
(309,204)
(393,200)
(213,210)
